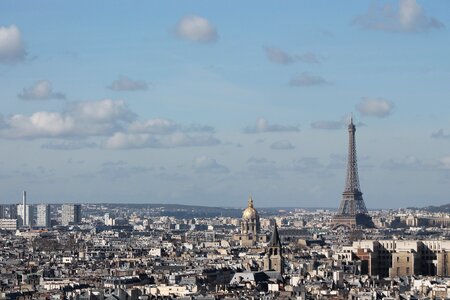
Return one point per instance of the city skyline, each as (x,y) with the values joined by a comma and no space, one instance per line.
(178,102)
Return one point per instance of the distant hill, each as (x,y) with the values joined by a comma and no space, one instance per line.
(442,208)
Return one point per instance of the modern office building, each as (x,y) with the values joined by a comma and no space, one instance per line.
(70,214)
(43,215)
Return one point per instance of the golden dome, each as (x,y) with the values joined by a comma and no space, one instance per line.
(250,212)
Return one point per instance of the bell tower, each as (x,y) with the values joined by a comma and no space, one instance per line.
(273,259)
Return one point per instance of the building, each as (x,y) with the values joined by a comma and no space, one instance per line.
(25,215)
(43,215)
(352,211)
(12,211)
(70,214)
(250,227)
(273,260)
(8,224)
(392,258)
(2,212)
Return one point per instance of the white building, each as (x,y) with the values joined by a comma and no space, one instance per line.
(70,214)
(25,216)
(8,224)
(43,215)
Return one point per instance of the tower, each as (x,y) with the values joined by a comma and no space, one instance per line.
(273,259)
(352,211)
(24,208)
(25,212)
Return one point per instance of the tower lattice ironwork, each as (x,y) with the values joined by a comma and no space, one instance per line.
(352,211)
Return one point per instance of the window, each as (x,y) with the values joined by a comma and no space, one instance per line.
(407,259)
(407,270)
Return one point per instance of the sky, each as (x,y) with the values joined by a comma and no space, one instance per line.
(208,102)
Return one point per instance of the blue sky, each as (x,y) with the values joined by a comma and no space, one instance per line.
(202,102)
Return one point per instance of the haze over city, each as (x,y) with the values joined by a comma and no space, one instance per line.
(207,102)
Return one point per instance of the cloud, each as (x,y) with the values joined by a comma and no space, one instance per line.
(111,120)
(305,164)
(407,163)
(328,125)
(155,126)
(282,145)
(114,171)
(126,84)
(444,163)
(260,167)
(262,125)
(12,49)
(206,164)
(305,80)
(409,16)
(196,29)
(96,118)
(279,56)
(41,90)
(72,145)
(440,134)
(375,107)
(122,140)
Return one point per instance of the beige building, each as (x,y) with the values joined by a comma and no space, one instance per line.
(391,258)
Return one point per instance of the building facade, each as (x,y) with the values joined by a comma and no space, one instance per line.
(392,258)
(70,214)
(43,215)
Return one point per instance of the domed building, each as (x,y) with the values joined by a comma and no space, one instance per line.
(250,219)
(250,227)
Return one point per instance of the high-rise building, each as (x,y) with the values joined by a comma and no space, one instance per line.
(70,214)
(43,215)
(24,212)
(2,212)
(25,215)
(352,211)
(12,211)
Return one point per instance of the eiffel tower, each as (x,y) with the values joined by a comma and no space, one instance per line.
(352,212)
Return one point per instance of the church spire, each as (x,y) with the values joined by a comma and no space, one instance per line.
(275,238)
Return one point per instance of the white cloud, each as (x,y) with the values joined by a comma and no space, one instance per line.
(157,126)
(121,140)
(262,125)
(82,119)
(282,145)
(305,80)
(375,107)
(111,119)
(279,56)
(206,164)
(445,162)
(41,90)
(408,17)
(12,49)
(126,84)
(196,29)
(103,111)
